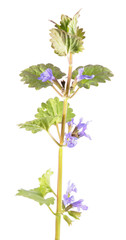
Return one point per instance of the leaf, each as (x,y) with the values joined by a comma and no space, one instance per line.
(64,43)
(50,113)
(76,45)
(35,195)
(38,125)
(60,41)
(80,33)
(65,20)
(67,219)
(69,25)
(72,26)
(75,214)
(54,108)
(67,37)
(45,183)
(101,75)
(31,74)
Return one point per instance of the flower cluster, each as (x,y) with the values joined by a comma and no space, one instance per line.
(47,75)
(68,199)
(79,131)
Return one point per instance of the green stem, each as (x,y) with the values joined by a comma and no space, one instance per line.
(59,196)
(59,181)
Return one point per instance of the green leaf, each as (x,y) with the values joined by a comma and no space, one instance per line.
(38,125)
(75,214)
(45,183)
(101,75)
(67,219)
(31,74)
(35,195)
(54,108)
(50,113)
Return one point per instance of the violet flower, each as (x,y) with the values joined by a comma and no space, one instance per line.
(81,128)
(47,75)
(71,123)
(79,205)
(79,131)
(70,140)
(71,188)
(80,75)
(68,199)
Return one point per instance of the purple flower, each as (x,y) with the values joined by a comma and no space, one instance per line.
(67,198)
(79,205)
(70,140)
(71,123)
(47,75)
(80,129)
(80,75)
(71,188)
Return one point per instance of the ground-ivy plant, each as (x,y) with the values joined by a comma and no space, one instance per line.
(66,39)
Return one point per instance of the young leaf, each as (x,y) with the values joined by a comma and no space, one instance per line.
(65,20)
(49,114)
(74,214)
(76,44)
(35,195)
(63,43)
(45,183)
(69,25)
(67,219)
(72,26)
(80,33)
(101,75)
(60,41)
(31,74)
(67,37)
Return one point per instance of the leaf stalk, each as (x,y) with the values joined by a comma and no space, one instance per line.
(54,139)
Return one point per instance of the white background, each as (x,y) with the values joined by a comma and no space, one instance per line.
(98,166)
